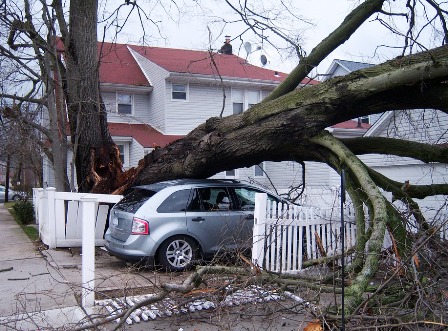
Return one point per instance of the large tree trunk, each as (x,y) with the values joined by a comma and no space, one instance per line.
(96,156)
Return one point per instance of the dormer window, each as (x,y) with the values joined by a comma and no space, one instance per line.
(179,92)
(124,103)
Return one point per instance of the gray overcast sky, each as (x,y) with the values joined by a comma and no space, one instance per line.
(190,26)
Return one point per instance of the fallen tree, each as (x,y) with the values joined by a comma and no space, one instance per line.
(288,125)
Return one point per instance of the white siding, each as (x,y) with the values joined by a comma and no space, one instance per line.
(281,176)
(135,153)
(339,71)
(140,108)
(155,115)
(429,126)
(110,101)
(265,93)
(202,103)
(48,173)
(424,174)
(284,175)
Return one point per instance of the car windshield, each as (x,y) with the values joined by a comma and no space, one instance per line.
(134,200)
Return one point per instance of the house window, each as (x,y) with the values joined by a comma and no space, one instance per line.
(365,119)
(259,170)
(231,173)
(253,97)
(244,99)
(179,92)
(124,154)
(124,103)
(238,108)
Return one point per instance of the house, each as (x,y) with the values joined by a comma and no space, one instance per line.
(155,95)
(394,124)
(425,125)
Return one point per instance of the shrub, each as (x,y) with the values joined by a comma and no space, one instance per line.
(24,211)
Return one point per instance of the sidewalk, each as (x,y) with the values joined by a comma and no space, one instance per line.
(42,290)
(32,293)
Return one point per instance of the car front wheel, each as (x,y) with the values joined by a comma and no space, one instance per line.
(16,197)
(178,253)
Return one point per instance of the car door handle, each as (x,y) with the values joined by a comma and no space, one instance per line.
(198,219)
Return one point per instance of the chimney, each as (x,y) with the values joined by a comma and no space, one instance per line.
(227,47)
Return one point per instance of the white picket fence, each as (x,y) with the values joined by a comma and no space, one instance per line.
(59,216)
(286,235)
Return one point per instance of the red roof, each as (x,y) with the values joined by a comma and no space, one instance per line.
(146,135)
(351,124)
(119,67)
(180,61)
(201,62)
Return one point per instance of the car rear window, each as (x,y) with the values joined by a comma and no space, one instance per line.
(134,200)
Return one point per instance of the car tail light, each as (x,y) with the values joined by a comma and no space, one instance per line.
(139,226)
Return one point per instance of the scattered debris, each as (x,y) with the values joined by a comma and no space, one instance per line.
(168,306)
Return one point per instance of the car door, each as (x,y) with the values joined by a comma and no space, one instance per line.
(245,206)
(212,219)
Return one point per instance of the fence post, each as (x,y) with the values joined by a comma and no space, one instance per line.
(37,192)
(51,221)
(259,229)
(88,251)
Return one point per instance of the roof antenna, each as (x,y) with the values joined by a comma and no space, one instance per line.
(263,58)
(248,48)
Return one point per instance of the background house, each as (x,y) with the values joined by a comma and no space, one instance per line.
(413,126)
(426,125)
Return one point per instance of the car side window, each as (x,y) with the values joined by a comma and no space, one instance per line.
(246,197)
(211,199)
(175,203)
(221,199)
(195,201)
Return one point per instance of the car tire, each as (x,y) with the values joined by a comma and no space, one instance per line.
(16,197)
(178,253)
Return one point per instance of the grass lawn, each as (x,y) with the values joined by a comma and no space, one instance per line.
(30,230)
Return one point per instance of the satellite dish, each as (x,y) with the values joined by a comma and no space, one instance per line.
(263,59)
(248,47)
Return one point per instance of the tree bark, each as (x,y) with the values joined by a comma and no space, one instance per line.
(96,156)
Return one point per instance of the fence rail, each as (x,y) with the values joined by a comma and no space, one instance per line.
(59,215)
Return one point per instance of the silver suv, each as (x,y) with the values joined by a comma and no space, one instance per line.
(174,223)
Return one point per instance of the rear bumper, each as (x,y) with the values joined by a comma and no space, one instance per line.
(146,260)
(135,249)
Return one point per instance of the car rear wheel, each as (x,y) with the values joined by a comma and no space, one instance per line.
(16,197)
(178,253)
